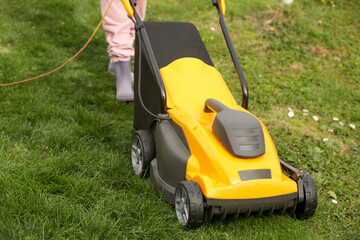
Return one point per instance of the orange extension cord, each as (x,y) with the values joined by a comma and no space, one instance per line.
(68,61)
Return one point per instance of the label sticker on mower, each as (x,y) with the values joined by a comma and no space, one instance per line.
(255,174)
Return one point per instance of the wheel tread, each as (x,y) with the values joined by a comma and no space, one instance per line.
(148,148)
(307,208)
(196,208)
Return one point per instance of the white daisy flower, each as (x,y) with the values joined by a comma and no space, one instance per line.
(287,2)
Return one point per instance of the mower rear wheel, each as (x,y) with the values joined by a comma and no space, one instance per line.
(307,208)
(189,204)
(142,151)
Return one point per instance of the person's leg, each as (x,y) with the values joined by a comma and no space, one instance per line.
(120,35)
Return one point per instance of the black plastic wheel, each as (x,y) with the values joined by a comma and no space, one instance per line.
(142,151)
(189,204)
(307,208)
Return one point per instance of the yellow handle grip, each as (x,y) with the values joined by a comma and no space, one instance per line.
(222,6)
(128,7)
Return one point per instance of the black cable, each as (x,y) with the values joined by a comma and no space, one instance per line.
(139,79)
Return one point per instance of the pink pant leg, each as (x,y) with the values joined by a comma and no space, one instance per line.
(119,29)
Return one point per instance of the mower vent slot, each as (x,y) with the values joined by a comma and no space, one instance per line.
(245,207)
(249,147)
(246,139)
(245,131)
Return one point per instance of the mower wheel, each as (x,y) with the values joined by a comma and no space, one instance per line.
(189,204)
(307,208)
(142,151)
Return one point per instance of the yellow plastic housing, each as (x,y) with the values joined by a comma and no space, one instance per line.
(189,82)
(222,6)
(128,7)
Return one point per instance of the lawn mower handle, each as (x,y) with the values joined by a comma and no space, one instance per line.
(128,7)
(221,4)
(221,11)
(139,27)
(213,105)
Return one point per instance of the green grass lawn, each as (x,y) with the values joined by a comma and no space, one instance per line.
(65,170)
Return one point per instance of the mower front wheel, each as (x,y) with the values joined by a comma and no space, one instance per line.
(142,151)
(307,208)
(189,204)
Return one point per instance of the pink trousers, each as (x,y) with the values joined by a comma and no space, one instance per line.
(119,29)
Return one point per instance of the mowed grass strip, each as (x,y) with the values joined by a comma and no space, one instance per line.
(65,170)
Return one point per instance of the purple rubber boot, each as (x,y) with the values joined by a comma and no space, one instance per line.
(124,79)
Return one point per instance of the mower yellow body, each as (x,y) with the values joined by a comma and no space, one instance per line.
(205,154)
(189,82)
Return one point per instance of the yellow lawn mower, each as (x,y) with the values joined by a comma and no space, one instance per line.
(205,154)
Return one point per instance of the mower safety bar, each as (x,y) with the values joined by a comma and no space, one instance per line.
(245,94)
